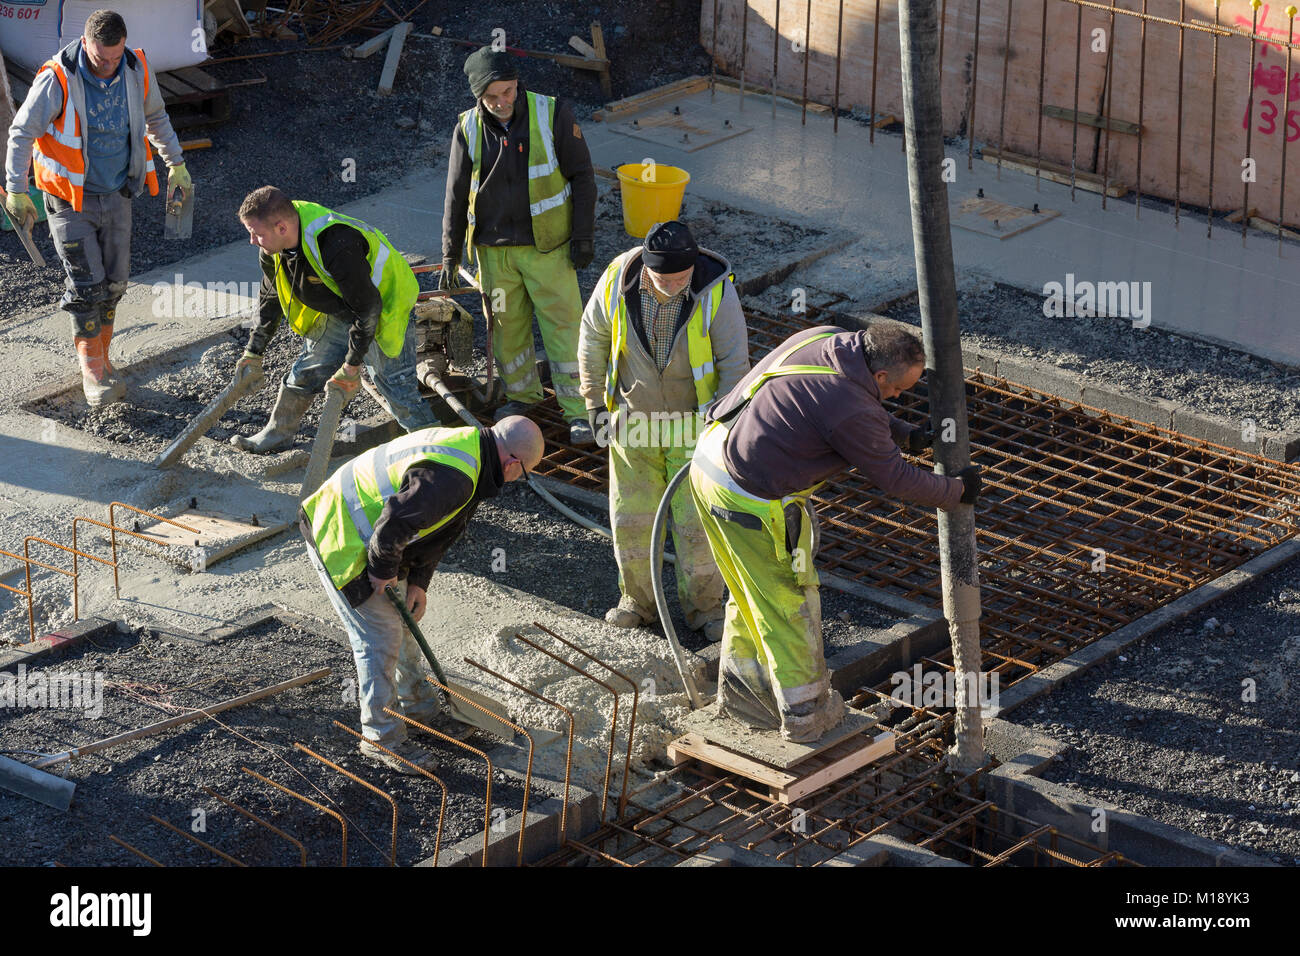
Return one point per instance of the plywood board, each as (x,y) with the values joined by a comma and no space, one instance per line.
(219,535)
(786,786)
(681,130)
(768,746)
(1001,220)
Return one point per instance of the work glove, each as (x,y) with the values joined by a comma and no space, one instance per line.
(248,366)
(920,438)
(449,277)
(593,419)
(581,252)
(970,477)
(345,381)
(178,177)
(20,208)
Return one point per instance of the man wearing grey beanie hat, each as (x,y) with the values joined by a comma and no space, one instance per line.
(521,203)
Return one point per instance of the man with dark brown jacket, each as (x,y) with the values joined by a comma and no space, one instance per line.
(809,410)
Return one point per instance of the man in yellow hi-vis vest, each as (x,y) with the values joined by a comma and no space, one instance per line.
(386,518)
(348,293)
(521,202)
(662,336)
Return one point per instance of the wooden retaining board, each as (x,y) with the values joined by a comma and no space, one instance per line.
(783,786)
(220,535)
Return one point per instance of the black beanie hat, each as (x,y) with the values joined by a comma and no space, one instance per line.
(669,247)
(485,66)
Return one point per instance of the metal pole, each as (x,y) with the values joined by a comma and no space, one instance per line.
(918,28)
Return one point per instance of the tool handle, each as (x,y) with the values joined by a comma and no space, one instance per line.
(414,628)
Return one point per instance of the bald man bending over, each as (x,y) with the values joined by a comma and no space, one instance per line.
(386,518)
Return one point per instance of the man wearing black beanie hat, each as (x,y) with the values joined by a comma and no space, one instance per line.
(521,203)
(662,336)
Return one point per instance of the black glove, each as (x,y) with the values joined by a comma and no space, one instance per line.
(581,252)
(449,277)
(920,438)
(970,477)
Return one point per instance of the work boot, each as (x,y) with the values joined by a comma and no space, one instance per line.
(403,748)
(290,407)
(97,386)
(807,729)
(514,408)
(629,614)
(106,339)
(580,433)
(432,715)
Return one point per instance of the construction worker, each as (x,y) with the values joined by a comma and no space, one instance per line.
(348,293)
(386,518)
(521,201)
(662,336)
(808,411)
(93,109)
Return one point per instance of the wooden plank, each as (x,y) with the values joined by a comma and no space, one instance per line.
(813,107)
(220,535)
(189,144)
(389,76)
(694,747)
(361,51)
(199,80)
(843,766)
(598,44)
(1091,119)
(1056,173)
(639,101)
(175,89)
(585,48)
(1271,227)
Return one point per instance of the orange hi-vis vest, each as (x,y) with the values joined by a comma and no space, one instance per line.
(59,158)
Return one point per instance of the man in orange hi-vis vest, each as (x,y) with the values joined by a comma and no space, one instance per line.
(86,127)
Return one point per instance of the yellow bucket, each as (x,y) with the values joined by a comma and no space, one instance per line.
(652,193)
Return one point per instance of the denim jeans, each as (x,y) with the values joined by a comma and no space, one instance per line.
(390,665)
(324,351)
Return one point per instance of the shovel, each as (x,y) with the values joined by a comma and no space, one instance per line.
(456,708)
(237,389)
(179,223)
(24,232)
(318,464)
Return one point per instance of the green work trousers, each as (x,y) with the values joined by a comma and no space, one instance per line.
(518,281)
(641,463)
(773,670)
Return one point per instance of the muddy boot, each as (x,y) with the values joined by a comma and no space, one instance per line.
(105,340)
(98,388)
(807,728)
(290,407)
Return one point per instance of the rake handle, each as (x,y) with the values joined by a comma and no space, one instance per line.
(391,593)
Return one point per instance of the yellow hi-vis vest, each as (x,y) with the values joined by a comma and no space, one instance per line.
(548,190)
(390,273)
(699,347)
(343,511)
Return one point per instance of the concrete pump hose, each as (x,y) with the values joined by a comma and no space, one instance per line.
(657,536)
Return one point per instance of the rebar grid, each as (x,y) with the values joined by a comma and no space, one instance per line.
(910,794)
(1088,521)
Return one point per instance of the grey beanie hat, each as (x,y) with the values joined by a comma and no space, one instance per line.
(485,66)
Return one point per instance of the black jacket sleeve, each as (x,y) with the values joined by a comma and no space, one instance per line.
(269,312)
(428,495)
(575,164)
(343,252)
(456,202)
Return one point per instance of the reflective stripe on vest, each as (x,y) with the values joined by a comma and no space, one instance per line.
(390,274)
(58,157)
(548,191)
(343,511)
(699,347)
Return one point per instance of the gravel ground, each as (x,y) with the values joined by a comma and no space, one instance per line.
(1164,731)
(149,676)
(336,114)
(1207,378)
